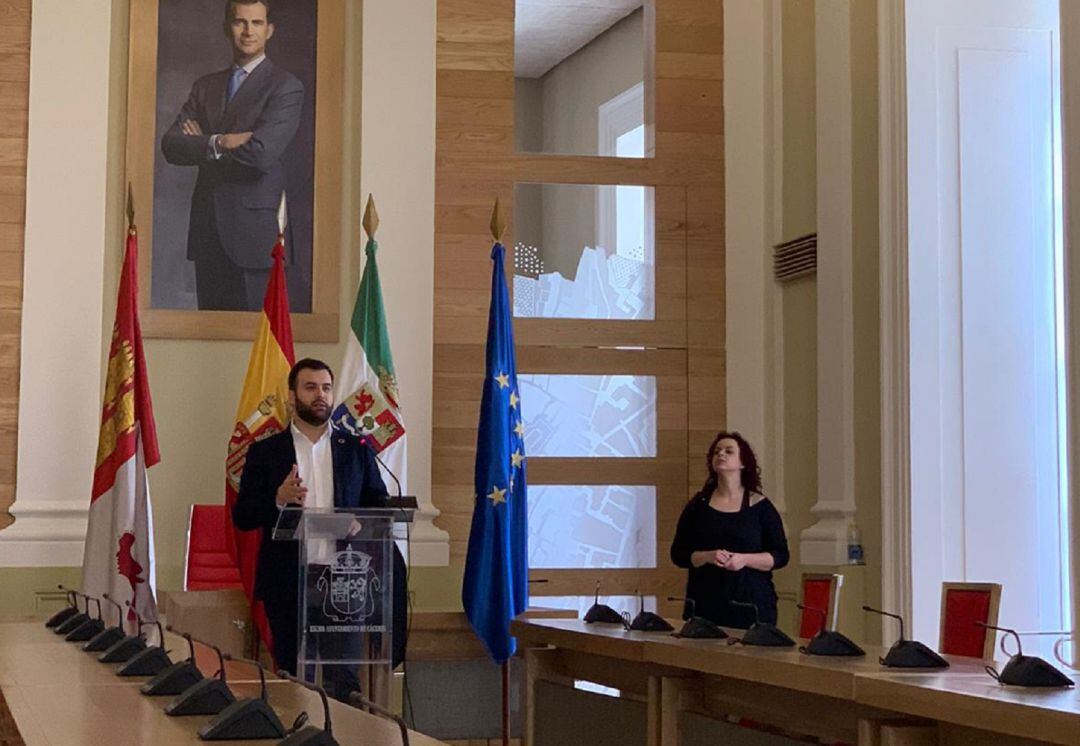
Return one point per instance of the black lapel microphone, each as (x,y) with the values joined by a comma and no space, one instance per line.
(907,653)
(828,641)
(1026,670)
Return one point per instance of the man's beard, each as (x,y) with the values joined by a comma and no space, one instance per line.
(310,415)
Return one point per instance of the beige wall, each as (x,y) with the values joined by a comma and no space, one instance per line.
(196,384)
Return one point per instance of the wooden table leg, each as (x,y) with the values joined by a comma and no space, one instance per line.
(538,667)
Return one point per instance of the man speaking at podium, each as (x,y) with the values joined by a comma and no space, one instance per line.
(313,465)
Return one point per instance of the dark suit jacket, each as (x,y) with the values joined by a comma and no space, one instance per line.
(236,197)
(357,484)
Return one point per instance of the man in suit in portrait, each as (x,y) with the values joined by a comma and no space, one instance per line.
(313,465)
(235,127)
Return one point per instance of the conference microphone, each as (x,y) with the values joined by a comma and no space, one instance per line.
(110,636)
(763,634)
(251,717)
(648,621)
(177,678)
(827,641)
(90,628)
(361,702)
(206,696)
(151,661)
(309,735)
(602,613)
(697,627)
(67,612)
(75,619)
(126,647)
(907,653)
(1026,670)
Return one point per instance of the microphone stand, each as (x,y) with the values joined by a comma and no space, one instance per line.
(176,678)
(828,641)
(1026,670)
(89,628)
(74,620)
(907,653)
(206,696)
(359,701)
(149,662)
(309,735)
(65,613)
(245,718)
(128,647)
(107,637)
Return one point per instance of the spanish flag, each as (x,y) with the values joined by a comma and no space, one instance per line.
(261,413)
(118,557)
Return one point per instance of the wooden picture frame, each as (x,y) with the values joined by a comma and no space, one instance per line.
(142,147)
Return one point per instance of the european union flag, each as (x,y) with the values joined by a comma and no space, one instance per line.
(495,588)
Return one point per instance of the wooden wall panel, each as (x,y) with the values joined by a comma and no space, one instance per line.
(14,105)
(476,162)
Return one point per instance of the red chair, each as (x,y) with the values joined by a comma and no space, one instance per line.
(963,604)
(207,564)
(819,592)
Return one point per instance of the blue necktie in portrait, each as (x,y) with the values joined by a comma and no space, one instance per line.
(237,77)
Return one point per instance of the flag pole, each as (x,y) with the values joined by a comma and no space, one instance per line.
(498,226)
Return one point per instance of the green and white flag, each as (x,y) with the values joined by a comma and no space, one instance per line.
(366,389)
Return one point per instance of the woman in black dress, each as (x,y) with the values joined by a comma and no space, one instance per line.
(731,539)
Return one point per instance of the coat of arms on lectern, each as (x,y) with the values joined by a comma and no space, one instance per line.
(349,586)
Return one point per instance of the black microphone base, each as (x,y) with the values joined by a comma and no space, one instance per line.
(1032,671)
(176,679)
(700,628)
(85,631)
(309,736)
(647,621)
(599,612)
(61,616)
(104,640)
(149,662)
(912,654)
(123,650)
(245,718)
(71,623)
(766,635)
(829,642)
(208,697)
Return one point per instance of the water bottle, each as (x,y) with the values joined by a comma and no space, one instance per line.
(854,546)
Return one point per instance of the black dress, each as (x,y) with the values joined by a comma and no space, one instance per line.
(756,527)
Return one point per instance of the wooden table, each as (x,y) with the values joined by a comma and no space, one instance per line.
(59,695)
(853,700)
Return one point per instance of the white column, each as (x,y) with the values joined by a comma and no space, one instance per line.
(825,542)
(398,167)
(752,151)
(59,376)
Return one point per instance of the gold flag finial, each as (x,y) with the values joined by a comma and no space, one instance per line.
(498,221)
(371,218)
(130,206)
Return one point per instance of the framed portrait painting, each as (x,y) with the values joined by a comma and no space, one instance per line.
(235,132)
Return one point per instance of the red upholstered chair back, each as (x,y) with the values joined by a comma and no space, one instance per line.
(208,566)
(963,604)
(818,592)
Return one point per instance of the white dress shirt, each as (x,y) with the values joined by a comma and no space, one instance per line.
(315,467)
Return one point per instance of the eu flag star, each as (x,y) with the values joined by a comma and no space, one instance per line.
(516,458)
(497,496)
(520,428)
(503,379)
(513,399)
